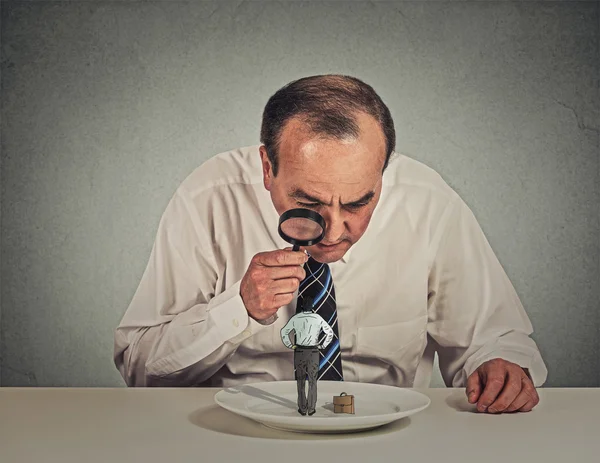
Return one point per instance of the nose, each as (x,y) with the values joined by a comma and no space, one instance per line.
(334,228)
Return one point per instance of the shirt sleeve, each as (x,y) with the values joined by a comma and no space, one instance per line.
(285,332)
(474,312)
(328,332)
(176,330)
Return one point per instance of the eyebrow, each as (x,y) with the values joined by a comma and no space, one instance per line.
(298,193)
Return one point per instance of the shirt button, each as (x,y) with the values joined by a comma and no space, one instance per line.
(247,332)
(235,322)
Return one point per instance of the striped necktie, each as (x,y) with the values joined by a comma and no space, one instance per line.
(319,286)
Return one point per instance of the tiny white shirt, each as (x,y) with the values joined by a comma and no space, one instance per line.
(307,329)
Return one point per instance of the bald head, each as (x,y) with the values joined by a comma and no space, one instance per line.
(328,106)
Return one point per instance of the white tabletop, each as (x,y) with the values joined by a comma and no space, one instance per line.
(86,425)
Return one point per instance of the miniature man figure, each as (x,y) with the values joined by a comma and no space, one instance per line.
(307,327)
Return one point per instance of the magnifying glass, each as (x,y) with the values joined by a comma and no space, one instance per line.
(301,227)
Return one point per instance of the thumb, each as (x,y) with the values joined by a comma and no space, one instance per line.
(302,248)
(473,390)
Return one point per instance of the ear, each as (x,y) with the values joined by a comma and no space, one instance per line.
(267,168)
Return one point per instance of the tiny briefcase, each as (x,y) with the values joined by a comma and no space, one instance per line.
(343,403)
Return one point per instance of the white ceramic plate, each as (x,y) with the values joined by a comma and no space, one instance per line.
(275,404)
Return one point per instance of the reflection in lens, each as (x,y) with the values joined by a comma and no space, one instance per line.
(300,228)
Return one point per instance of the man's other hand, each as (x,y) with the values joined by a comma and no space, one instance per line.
(500,386)
(271,280)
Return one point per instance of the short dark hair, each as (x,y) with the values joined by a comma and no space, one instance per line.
(307,305)
(328,105)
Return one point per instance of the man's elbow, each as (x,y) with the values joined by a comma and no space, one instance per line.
(132,367)
(131,360)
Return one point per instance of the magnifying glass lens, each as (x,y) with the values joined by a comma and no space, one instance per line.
(300,228)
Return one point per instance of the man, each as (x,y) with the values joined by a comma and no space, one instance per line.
(307,327)
(412,270)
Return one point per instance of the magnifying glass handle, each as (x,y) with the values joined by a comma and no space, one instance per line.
(296,248)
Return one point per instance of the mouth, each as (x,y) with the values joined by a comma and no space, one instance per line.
(328,246)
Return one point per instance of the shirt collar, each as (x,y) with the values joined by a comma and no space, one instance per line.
(346,257)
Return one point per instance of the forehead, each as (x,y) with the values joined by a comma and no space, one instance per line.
(353,163)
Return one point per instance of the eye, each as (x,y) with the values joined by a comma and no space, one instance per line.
(307,204)
(356,206)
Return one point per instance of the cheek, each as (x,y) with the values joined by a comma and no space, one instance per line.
(358,223)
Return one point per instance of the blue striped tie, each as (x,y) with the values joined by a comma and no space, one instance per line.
(319,285)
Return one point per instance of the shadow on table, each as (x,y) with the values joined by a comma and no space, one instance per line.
(260,394)
(217,419)
(458,401)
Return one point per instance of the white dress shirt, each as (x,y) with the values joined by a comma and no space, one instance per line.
(422,278)
(307,328)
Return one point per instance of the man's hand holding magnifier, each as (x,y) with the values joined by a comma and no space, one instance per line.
(271,280)
(273,276)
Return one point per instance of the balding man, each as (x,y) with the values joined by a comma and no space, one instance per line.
(405,267)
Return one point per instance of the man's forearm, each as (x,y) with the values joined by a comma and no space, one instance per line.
(189,348)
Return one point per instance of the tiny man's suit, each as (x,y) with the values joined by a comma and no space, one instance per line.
(307,327)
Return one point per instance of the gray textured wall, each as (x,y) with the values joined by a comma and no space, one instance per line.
(106,107)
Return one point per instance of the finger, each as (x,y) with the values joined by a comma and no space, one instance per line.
(528,406)
(522,399)
(285,286)
(530,394)
(280,258)
(282,299)
(512,388)
(494,382)
(302,248)
(289,271)
(473,387)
